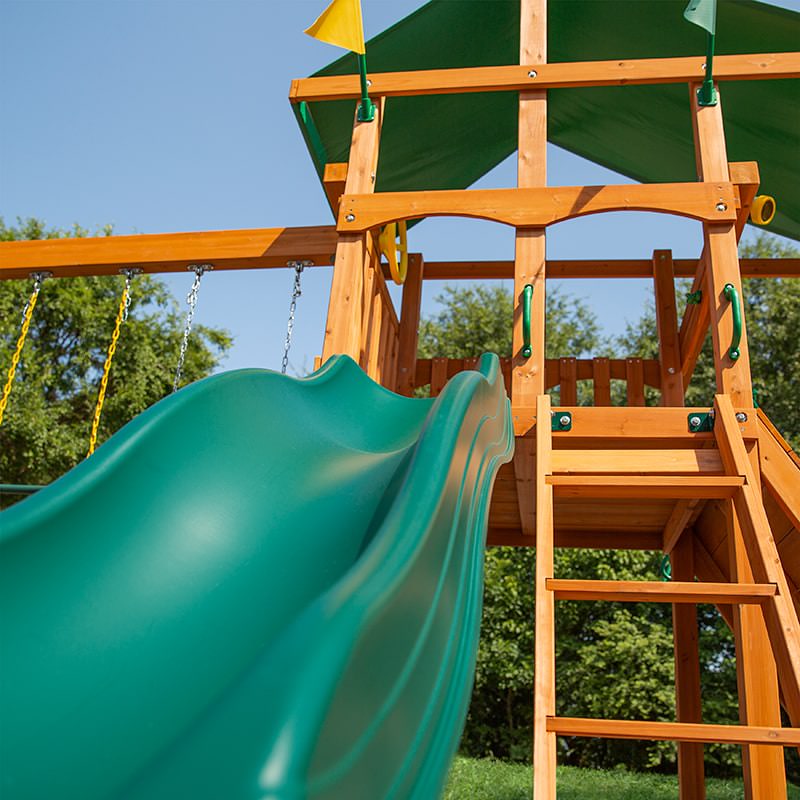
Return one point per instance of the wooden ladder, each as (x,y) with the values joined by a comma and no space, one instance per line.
(725,472)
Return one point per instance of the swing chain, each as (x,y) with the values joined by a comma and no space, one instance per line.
(27,314)
(299,266)
(191,299)
(122,316)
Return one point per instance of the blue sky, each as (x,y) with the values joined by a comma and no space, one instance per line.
(172,115)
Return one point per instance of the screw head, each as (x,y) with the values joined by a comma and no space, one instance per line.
(671,370)
(532,73)
(350,218)
(694,422)
(741,417)
(722,206)
(564,420)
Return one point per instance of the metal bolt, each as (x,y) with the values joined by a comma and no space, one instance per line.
(369,82)
(694,422)
(532,73)
(564,421)
(741,417)
(350,218)
(671,370)
(722,206)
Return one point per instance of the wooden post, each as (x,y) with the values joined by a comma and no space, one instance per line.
(691,778)
(757,678)
(527,375)
(345,308)
(544,700)
(672,390)
(756,671)
(733,375)
(409,325)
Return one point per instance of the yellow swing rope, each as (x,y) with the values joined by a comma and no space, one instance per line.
(27,314)
(122,316)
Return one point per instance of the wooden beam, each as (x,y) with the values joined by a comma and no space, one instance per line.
(722,260)
(672,731)
(779,470)
(686,648)
(697,317)
(257,248)
(544,701)
(345,306)
(756,677)
(683,513)
(409,325)
(523,78)
(593,540)
(660,591)
(631,424)
(539,206)
(333,181)
(601,268)
(644,486)
(683,461)
(764,560)
(667,327)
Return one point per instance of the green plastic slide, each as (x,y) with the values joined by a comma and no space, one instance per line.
(261,588)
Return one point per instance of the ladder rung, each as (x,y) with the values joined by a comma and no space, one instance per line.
(637,462)
(644,486)
(672,731)
(661,591)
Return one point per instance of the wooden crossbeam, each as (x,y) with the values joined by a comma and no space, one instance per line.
(602,268)
(520,78)
(169,252)
(684,461)
(672,731)
(644,486)
(660,591)
(538,207)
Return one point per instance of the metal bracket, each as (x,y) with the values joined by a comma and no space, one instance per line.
(560,421)
(702,422)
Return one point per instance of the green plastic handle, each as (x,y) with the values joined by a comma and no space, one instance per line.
(736,309)
(527,296)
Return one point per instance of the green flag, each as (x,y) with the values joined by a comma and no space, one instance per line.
(702,13)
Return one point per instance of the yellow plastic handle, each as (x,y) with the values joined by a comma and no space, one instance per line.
(763,209)
(393,244)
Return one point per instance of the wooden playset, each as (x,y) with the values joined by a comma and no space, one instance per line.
(715,488)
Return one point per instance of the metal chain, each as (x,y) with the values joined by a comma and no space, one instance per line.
(122,316)
(299,266)
(191,298)
(27,314)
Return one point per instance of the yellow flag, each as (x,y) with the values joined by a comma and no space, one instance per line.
(341,24)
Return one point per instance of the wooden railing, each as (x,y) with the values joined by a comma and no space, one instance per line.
(562,372)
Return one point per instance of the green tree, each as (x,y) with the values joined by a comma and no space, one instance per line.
(46,427)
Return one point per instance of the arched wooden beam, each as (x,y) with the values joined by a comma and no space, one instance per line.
(541,206)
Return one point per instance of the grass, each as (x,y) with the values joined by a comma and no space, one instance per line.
(485,779)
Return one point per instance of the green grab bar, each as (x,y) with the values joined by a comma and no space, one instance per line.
(527,296)
(736,309)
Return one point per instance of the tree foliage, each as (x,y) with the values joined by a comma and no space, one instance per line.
(46,427)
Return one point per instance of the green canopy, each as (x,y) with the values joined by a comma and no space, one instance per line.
(644,132)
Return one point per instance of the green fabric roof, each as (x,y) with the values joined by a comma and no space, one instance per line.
(644,132)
